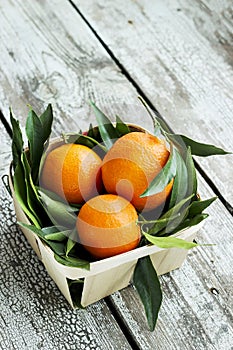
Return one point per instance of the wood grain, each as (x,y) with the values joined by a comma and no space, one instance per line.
(180,54)
(49,55)
(197,303)
(5,148)
(34,314)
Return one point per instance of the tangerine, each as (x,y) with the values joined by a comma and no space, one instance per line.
(107,226)
(73,172)
(131,164)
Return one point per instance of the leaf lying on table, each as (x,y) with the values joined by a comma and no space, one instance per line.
(197,148)
(148,287)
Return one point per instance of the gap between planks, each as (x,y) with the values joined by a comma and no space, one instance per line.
(150,104)
(110,304)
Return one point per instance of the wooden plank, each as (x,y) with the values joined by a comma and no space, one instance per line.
(193,314)
(213,20)
(179,64)
(34,314)
(49,55)
(5,148)
(59,78)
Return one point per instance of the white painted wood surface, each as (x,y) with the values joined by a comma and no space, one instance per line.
(192,317)
(48,54)
(180,54)
(33,313)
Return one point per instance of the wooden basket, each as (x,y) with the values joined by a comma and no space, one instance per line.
(108,275)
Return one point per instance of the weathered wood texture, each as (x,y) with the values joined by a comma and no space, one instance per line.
(33,313)
(5,145)
(180,54)
(192,317)
(49,55)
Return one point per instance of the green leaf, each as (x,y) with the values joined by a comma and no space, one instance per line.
(156,228)
(94,133)
(17,140)
(192,176)
(85,140)
(72,208)
(46,119)
(75,282)
(76,289)
(191,222)
(33,201)
(157,221)
(58,212)
(197,207)
(161,180)
(21,193)
(69,246)
(75,206)
(197,148)
(57,247)
(159,125)
(72,262)
(54,233)
(179,188)
(121,127)
(57,236)
(35,135)
(169,242)
(148,287)
(72,240)
(107,131)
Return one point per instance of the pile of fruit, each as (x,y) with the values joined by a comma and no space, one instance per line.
(95,194)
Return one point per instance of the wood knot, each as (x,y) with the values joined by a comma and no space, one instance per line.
(214,291)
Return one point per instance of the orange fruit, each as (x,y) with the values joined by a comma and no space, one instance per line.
(73,172)
(131,164)
(107,226)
